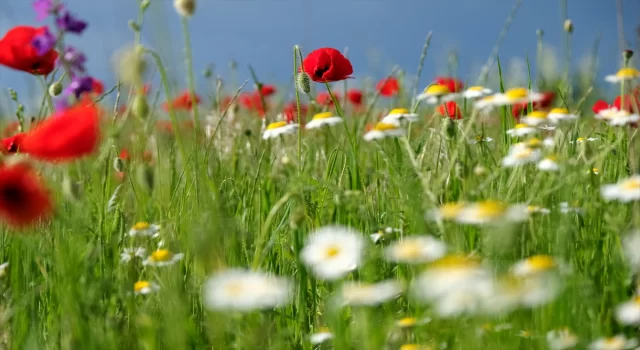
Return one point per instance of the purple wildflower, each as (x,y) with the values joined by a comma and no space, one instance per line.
(61,104)
(44,42)
(42,8)
(79,85)
(66,22)
(74,58)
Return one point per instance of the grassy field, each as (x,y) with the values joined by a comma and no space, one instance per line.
(445,226)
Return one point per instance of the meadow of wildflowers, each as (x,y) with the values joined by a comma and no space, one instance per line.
(395,216)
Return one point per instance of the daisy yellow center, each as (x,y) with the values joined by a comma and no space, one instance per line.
(410,347)
(533,208)
(560,111)
(636,300)
(408,250)
(534,142)
(475,88)
(628,73)
(523,154)
(632,184)
(516,93)
(615,342)
(234,288)
(142,225)
(455,261)
(331,251)
(490,209)
(525,333)
(552,158)
(384,127)
(521,126)
(276,125)
(324,115)
(537,115)
(161,255)
(140,285)
(450,210)
(581,139)
(487,326)
(399,111)
(436,89)
(323,330)
(541,262)
(407,322)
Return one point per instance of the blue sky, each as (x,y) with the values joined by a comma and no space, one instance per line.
(377,33)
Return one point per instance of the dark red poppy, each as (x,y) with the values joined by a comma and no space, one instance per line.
(450,109)
(252,102)
(65,136)
(327,65)
(182,102)
(24,200)
(599,106)
(268,90)
(388,87)
(631,103)
(17,51)
(454,85)
(97,87)
(546,101)
(290,111)
(324,99)
(355,97)
(124,154)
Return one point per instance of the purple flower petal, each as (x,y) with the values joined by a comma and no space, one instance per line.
(70,24)
(79,85)
(42,8)
(74,58)
(44,42)
(61,104)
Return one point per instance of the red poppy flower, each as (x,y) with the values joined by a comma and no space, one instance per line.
(599,106)
(450,109)
(355,96)
(268,90)
(631,103)
(545,102)
(388,87)
(97,87)
(124,154)
(290,111)
(23,198)
(17,51)
(65,136)
(182,102)
(327,65)
(324,99)
(453,84)
(252,102)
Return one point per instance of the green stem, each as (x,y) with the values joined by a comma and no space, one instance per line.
(296,50)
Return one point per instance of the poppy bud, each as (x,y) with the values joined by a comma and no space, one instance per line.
(144,5)
(627,54)
(118,164)
(568,26)
(140,106)
(55,89)
(185,8)
(303,82)
(146,177)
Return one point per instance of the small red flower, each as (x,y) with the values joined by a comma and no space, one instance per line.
(23,198)
(252,102)
(546,101)
(290,111)
(17,51)
(324,99)
(65,136)
(388,87)
(355,96)
(599,106)
(268,90)
(631,103)
(327,65)
(450,109)
(453,84)
(97,87)
(182,102)
(124,154)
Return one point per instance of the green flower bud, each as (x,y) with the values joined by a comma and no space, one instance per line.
(118,164)
(140,107)
(303,82)
(55,89)
(185,8)
(144,5)
(134,25)
(568,26)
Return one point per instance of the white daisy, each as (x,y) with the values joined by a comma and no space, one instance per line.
(534,209)
(618,342)
(322,335)
(628,313)
(561,339)
(144,229)
(280,128)
(382,233)
(631,247)
(623,74)
(535,118)
(323,119)
(521,130)
(130,253)
(145,287)
(332,252)
(514,96)
(548,164)
(384,130)
(409,322)
(520,154)
(547,127)
(475,92)
(244,290)
(369,294)
(539,290)
(162,257)
(485,103)
(447,211)
(625,190)
(566,208)
(398,115)
(479,170)
(584,139)
(534,265)
(434,93)
(621,118)
(485,212)
(557,115)
(416,250)
(548,142)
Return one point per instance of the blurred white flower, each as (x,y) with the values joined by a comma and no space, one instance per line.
(475,92)
(129,253)
(323,119)
(383,130)
(624,74)
(548,164)
(416,250)
(631,247)
(162,257)
(557,115)
(322,335)
(332,252)
(490,211)
(521,130)
(561,339)
(383,233)
(535,118)
(144,229)
(618,342)
(625,190)
(584,139)
(244,290)
(534,265)
(398,115)
(434,93)
(628,313)
(3,269)
(369,294)
(280,128)
(520,154)
(514,96)
(621,118)
(145,287)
